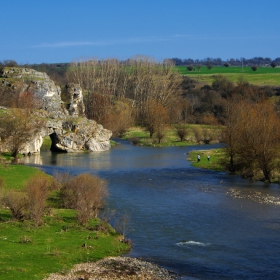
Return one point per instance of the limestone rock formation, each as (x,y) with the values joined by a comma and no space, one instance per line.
(67,126)
(76,106)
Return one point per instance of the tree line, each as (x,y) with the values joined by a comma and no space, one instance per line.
(257,61)
(153,94)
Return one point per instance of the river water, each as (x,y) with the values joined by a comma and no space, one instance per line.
(182,217)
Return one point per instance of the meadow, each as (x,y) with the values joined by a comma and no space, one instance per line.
(263,76)
(138,135)
(29,251)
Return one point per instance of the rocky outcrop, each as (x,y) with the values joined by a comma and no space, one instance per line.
(67,126)
(78,134)
(76,106)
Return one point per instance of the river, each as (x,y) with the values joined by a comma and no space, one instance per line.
(182,217)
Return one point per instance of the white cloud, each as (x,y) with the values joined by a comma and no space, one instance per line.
(109,42)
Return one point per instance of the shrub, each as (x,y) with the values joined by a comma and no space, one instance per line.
(16,202)
(208,135)
(85,193)
(62,178)
(198,135)
(181,131)
(37,192)
(122,224)
(190,68)
(254,68)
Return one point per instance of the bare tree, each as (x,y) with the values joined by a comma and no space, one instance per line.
(137,80)
(156,118)
(122,224)
(259,137)
(252,136)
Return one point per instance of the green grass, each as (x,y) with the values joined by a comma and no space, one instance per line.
(29,252)
(47,142)
(16,176)
(141,137)
(263,76)
(216,156)
(32,252)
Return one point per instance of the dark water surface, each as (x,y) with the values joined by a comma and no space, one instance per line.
(181,217)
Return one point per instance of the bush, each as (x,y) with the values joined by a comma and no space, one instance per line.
(181,131)
(254,68)
(198,134)
(16,202)
(37,192)
(85,193)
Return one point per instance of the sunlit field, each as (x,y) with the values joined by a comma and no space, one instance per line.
(263,76)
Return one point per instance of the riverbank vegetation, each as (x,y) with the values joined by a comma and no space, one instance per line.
(47,227)
(176,135)
(154,95)
(212,159)
(219,161)
(167,105)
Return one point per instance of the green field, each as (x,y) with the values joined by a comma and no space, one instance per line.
(16,176)
(140,136)
(264,76)
(29,251)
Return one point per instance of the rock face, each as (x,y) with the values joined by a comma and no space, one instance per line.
(76,106)
(67,126)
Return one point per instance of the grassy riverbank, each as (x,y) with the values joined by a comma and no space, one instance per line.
(15,176)
(218,162)
(32,252)
(217,156)
(138,135)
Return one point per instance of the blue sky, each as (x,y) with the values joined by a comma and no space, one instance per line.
(50,31)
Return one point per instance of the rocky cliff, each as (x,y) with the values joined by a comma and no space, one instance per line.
(65,124)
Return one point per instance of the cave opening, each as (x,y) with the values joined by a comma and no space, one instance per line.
(55,140)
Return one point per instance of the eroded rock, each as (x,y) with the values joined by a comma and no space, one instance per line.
(67,126)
